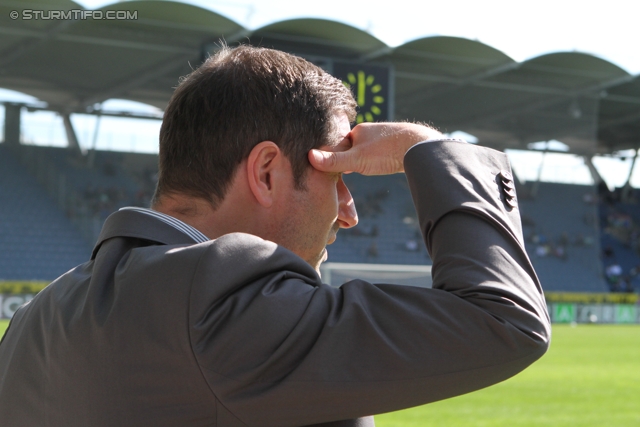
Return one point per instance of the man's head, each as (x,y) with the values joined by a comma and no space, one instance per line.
(234,149)
(236,99)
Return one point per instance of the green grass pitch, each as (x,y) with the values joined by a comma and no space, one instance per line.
(4,324)
(589,377)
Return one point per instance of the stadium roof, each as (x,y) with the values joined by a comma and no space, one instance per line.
(458,84)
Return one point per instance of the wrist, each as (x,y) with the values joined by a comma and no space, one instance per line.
(421,133)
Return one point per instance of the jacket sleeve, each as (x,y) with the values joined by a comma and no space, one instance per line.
(279,348)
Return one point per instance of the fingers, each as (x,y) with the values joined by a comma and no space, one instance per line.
(327,161)
(378,163)
(377,149)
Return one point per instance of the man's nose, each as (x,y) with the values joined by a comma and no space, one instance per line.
(347,215)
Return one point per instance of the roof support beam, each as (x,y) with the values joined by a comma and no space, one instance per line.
(310,40)
(138,79)
(98,41)
(20,49)
(445,57)
(633,117)
(622,98)
(590,91)
(97,112)
(467,81)
(375,54)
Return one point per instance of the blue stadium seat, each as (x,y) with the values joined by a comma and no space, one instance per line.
(32,228)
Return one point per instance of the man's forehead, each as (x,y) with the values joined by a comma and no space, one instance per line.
(342,128)
(342,121)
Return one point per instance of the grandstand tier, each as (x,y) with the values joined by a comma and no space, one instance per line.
(61,197)
(37,240)
(561,236)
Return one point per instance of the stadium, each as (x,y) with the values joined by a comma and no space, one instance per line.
(565,119)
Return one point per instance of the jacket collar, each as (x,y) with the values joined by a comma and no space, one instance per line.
(130,223)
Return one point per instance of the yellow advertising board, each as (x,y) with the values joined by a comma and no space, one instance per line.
(591,298)
(22,286)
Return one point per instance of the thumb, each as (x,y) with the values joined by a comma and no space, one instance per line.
(327,161)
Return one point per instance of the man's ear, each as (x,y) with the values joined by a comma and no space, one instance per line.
(263,166)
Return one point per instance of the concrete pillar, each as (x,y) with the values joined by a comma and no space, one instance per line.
(626,188)
(536,184)
(72,140)
(597,178)
(12,124)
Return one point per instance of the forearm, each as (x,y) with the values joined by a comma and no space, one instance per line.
(455,184)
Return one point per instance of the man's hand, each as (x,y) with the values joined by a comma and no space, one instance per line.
(376,149)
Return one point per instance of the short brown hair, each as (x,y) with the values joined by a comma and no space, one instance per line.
(236,99)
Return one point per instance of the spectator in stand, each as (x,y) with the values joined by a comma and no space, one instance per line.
(411,245)
(608,252)
(613,274)
(542,251)
(560,252)
(372,250)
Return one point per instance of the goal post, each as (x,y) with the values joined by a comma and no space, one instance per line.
(337,273)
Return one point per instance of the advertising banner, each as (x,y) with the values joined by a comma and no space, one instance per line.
(563,313)
(559,312)
(9,303)
(626,313)
(589,313)
(594,313)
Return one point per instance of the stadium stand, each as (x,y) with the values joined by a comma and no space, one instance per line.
(37,241)
(619,220)
(88,188)
(387,232)
(560,224)
(561,236)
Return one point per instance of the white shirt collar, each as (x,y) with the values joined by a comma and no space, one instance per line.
(174,222)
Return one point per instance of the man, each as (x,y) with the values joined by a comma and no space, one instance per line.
(208,310)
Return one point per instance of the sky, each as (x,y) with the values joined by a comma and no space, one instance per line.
(522,30)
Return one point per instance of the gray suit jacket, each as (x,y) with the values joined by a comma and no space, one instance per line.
(158,331)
